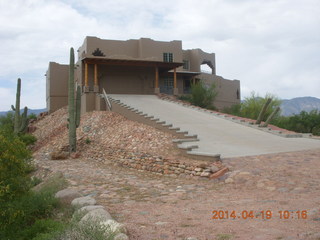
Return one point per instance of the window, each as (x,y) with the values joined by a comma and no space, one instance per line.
(168,82)
(185,64)
(168,57)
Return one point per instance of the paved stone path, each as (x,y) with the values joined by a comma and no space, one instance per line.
(157,207)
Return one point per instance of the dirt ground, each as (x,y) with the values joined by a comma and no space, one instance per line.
(274,196)
(153,207)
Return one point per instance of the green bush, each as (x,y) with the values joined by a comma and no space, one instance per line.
(14,167)
(43,229)
(32,116)
(233,110)
(28,139)
(202,96)
(185,98)
(304,122)
(20,218)
(6,124)
(252,105)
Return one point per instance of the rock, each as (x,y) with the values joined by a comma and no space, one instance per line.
(61,155)
(161,223)
(260,185)
(229,180)
(220,173)
(114,226)
(270,188)
(191,238)
(283,189)
(203,165)
(75,155)
(90,208)
(99,215)
(214,169)
(198,169)
(121,236)
(67,195)
(205,174)
(83,201)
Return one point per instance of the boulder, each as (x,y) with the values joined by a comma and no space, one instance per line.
(96,215)
(121,236)
(67,195)
(114,226)
(83,201)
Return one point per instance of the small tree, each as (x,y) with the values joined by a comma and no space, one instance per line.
(203,96)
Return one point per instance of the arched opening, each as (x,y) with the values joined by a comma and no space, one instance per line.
(207,67)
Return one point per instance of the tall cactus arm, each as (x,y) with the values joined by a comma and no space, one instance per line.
(270,117)
(78,106)
(17,108)
(263,111)
(72,125)
(24,121)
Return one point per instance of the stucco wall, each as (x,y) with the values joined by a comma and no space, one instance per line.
(153,50)
(143,49)
(227,90)
(57,86)
(196,57)
(126,80)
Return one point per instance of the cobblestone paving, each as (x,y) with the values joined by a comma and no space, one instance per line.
(158,207)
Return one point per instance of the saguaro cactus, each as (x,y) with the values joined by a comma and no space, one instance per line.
(270,117)
(263,111)
(74,106)
(20,121)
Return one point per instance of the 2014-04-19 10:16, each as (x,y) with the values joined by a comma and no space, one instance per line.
(267,214)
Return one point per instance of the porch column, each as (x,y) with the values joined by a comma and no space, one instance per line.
(175,88)
(86,81)
(156,83)
(96,84)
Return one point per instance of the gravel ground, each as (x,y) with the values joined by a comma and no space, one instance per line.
(163,207)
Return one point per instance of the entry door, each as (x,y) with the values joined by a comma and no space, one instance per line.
(167,86)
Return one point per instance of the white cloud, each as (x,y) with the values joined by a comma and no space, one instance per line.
(270,46)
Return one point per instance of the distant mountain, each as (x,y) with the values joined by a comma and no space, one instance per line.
(35,111)
(296,105)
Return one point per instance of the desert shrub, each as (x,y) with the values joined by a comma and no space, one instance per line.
(304,122)
(24,217)
(91,229)
(6,124)
(252,105)
(185,98)
(233,110)
(28,139)
(43,229)
(203,96)
(32,116)
(14,167)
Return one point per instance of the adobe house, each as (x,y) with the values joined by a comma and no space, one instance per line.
(142,66)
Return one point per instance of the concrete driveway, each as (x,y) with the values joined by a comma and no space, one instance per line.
(216,135)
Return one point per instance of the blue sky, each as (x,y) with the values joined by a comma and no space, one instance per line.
(270,46)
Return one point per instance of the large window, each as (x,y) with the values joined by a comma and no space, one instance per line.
(168,57)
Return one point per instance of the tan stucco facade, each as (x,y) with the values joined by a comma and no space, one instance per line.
(57,86)
(142,66)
